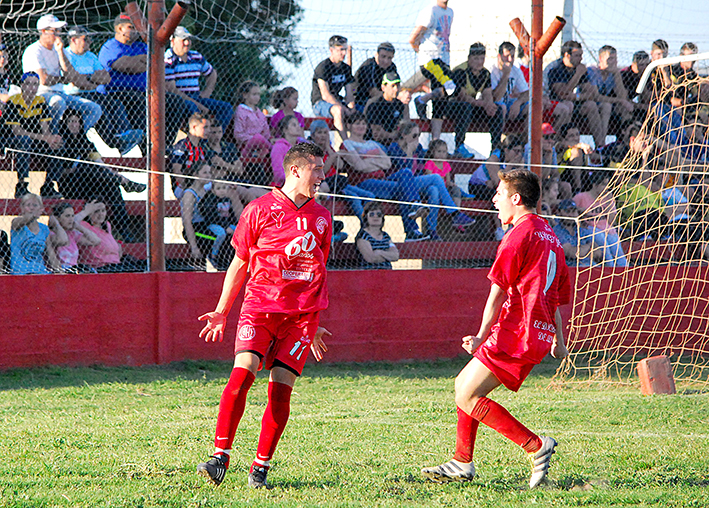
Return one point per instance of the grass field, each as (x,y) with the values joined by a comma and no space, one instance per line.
(358,436)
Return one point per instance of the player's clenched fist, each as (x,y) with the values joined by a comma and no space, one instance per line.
(471,343)
(214,329)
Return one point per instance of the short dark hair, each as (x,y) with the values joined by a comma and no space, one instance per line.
(689,46)
(370,207)
(386,46)
(569,47)
(506,46)
(304,151)
(522,182)
(598,175)
(640,55)
(354,117)
(607,49)
(337,40)
(476,48)
(661,44)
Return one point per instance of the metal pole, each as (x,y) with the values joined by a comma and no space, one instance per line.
(535,123)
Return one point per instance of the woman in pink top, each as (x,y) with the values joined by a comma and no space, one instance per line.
(285,101)
(67,234)
(290,133)
(107,255)
(251,131)
(437,163)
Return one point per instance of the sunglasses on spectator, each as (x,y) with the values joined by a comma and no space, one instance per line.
(375,213)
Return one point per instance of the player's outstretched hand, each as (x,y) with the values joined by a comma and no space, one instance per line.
(318,346)
(559,351)
(214,329)
(471,343)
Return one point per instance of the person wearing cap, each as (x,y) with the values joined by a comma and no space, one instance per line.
(386,113)
(332,76)
(90,82)
(27,115)
(125,56)
(46,57)
(183,68)
(509,88)
(368,78)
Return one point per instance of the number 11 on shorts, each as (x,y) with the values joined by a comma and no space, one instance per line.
(295,348)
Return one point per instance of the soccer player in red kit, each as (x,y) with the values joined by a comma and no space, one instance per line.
(520,325)
(283,240)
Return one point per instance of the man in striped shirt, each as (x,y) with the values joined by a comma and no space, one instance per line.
(183,68)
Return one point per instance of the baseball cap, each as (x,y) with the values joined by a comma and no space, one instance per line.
(122,19)
(391,77)
(29,74)
(49,21)
(386,46)
(547,129)
(78,31)
(337,40)
(181,33)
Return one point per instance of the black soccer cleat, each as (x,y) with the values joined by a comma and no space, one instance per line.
(214,469)
(257,477)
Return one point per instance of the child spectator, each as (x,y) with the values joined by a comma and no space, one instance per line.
(285,101)
(216,207)
(107,255)
(195,229)
(28,240)
(289,133)
(67,234)
(189,151)
(573,154)
(436,163)
(375,247)
(251,131)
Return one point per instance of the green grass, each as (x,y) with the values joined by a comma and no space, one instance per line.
(358,436)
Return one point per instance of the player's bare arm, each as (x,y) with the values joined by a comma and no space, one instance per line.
(318,347)
(493,305)
(216,321)
(558,347)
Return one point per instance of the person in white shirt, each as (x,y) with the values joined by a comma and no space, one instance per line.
(509,88)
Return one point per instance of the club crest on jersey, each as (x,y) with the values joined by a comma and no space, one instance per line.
(247,332)
(321,224)
(278,217)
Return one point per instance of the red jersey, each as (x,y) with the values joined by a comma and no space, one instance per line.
(531,267)
(286,248)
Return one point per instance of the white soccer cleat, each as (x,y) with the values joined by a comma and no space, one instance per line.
(541,460)
(451,471)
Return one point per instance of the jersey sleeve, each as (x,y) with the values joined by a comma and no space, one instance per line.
(246,233)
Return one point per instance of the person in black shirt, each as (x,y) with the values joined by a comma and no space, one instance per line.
(331,77)
(631,77)
(368,78)
(386,113)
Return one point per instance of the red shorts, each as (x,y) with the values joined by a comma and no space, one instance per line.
(280,340)
(510,371)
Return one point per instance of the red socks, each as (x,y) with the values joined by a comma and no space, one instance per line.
(231,406)
(465,437)
(498,418)
(274,420)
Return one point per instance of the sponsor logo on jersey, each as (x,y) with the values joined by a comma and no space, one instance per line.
(301,246)
(321,224)
(278,217)
(296,275)
(247,332)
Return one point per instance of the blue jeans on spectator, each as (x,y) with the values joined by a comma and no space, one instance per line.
(222,111)
(393,189)
(434,188)
(220,233)
(322,109)
(355,203)
(613,254)
(114,119)
(59,102)
(52,166)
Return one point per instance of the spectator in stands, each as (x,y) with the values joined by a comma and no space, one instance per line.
(386,113)
(28,239)
(612,95)
(660,76)
(569,83)
(574,157)
(574,237)
(188,151)
(251,131)
(334,181)
(484,181)
(613,153)
(408,164)
(559,112)
(549,158)
(106,256)
(84,180)
(289,133)
(331,77)
(183,69)
(430,40)
(368,78)
(598,207)
(27,115)
(509,87)
(641,209)
(473,99)
(437,163)
(374,246)
(631,78)
(89,82)
(46,57)
(223,156)
(195,229)
(125,58)
(220,210)
(285,101)
(683,73)
(550,193)
(67,234)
